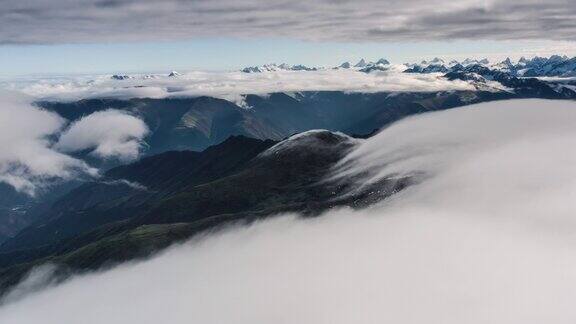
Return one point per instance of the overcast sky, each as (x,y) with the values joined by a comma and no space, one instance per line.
(106,35)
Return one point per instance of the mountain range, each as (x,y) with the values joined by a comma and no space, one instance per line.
(553,66)
(139,208)
(210,162)
(197,123)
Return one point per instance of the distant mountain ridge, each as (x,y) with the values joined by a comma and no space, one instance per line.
(553,66)
(277,67)
(198,122)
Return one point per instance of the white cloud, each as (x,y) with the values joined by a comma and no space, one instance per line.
(33,158)
(107,134)
(27,160)
(231,85)
(486,237)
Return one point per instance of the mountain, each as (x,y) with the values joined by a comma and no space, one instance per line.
(156,176)
(120,77)
(482,76)
(142,207)
(211,162)
(197,123)
(277,67)
(427,68)
(553,66)
(380,65)
(200,122)
(345,65)
(360,64)
(470,61)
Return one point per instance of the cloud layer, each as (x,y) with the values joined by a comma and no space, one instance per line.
(107,134)
(232,85)
(63,21)
(485,237)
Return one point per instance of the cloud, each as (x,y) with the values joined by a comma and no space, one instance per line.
(233,85)
(35,143)
(27,160)
(486,236)
(65,21)
(107,134)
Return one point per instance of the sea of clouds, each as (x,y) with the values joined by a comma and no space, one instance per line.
(231,85)
(485,236)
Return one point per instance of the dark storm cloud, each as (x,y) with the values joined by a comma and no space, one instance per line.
(63,21)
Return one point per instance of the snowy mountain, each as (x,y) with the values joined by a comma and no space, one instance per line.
(277,67)
(380,65)
(438,65)
(553,66)
(360,64)
(345,65)
(120,77)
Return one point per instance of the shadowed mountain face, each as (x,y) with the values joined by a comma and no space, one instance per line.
(139,208)
(197,123)
(236,171)
(127,189)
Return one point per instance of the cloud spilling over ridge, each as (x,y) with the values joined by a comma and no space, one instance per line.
(65,21)
(107,134)
(27,160)
(485,237)
(232,85)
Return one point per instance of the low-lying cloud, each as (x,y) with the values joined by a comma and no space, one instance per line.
(67,21)
(486,236)
(106,134)
(35,143)
(233,85)
(27,159)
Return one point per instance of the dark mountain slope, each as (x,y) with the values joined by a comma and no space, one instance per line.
(127,190)
(197,123)
(239,181)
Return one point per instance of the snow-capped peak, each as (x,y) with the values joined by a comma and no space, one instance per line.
(120,77)
(360,64)
(345,65)
(311,140)
(383,61)
(277,67)
(437,60)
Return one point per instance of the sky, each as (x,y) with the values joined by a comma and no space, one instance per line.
(115,36)
(229,54)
